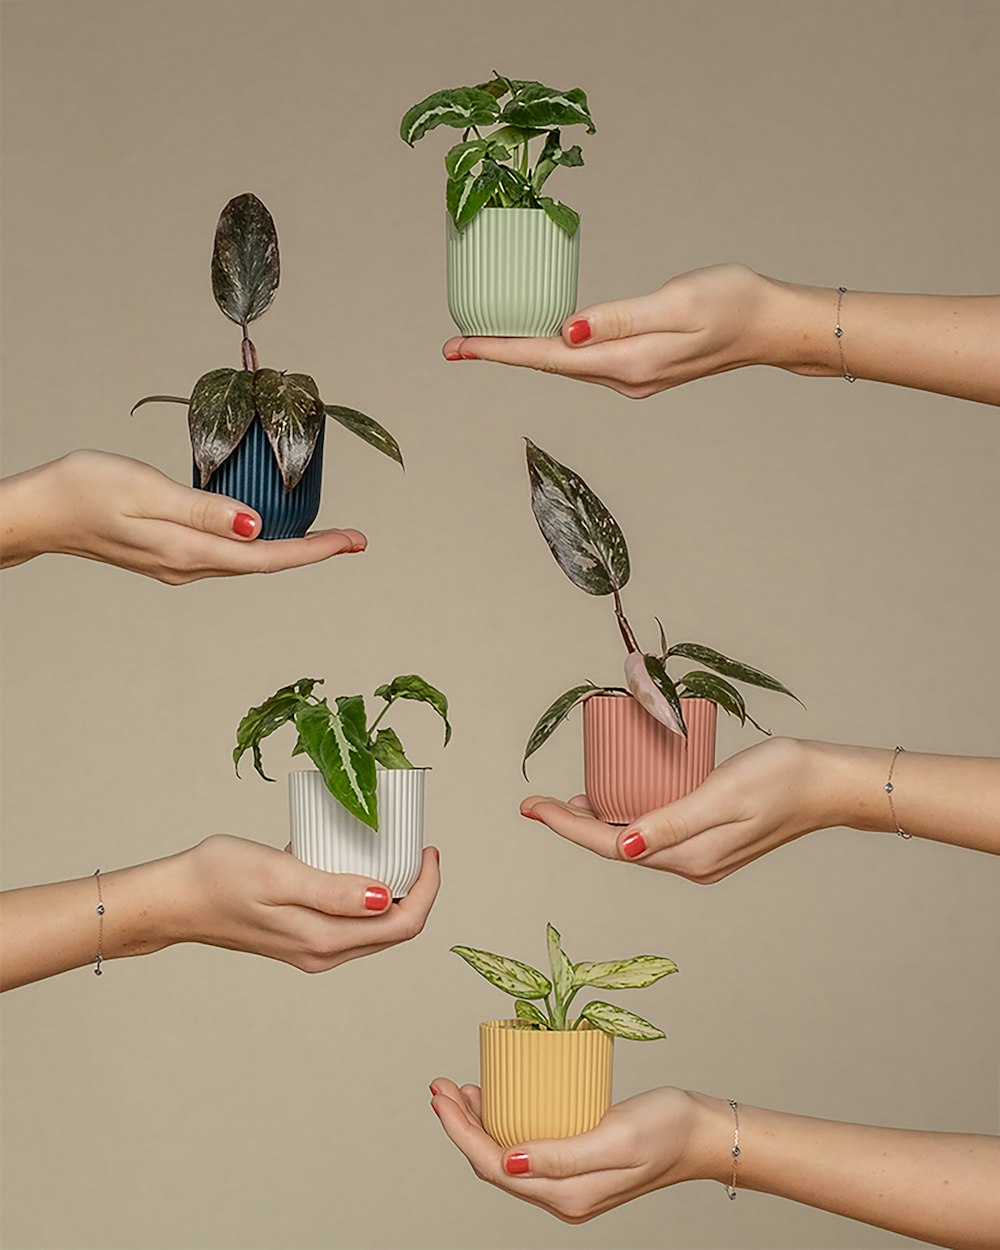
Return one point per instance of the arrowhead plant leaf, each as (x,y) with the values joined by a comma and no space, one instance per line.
(650,686)
(552,718)
(620,1023)
(290,410)
(261,721)
(510,975)
(245,266)
(461,107)
(388,750)
(729,668)
(410,686)
(536,106)
(623,974)
(219,414)
(348,770)
(566,218)
(366,428)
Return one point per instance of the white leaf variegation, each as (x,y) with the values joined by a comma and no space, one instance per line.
(510,975)
(620,1023)
(650,696)
(623,974)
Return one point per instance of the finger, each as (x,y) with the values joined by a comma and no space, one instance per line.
(333,893)
(202,510)
(442,1085)
(667,828)
(557,1159)
(574,823)
(470,1137)
(473,1097)
(617,319)
(290,553)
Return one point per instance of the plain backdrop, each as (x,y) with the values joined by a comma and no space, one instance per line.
(841,537)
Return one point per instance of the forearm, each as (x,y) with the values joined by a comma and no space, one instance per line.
(24,505)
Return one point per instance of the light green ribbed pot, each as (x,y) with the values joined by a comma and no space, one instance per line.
(511,272)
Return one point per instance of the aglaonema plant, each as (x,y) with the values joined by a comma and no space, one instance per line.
(590,548)
(506,167)
(339,740)
(224,402)
(528,987)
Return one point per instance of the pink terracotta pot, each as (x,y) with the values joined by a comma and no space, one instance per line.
(632,763)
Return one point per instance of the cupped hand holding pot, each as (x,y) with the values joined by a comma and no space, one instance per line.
(123,512)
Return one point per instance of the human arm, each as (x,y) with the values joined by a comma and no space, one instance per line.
(936,1187)
(224,892)
(123,512)
(725,317)
(783,788)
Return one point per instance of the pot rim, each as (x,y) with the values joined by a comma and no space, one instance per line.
(380,768)
(626,694)
(515,1025)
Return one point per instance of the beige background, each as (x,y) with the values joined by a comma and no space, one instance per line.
(842,537)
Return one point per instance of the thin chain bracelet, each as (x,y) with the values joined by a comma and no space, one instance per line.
(839,335)
(99,958)
(890,788)
(731,1192)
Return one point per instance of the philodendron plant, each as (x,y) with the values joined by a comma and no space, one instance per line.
(590,548)
(339,741)
(498,169)
(528,987)
(224,402)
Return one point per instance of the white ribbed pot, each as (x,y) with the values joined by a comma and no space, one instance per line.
(326,835)
(511,272)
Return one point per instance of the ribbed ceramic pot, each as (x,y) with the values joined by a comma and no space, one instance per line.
(538,1083)
(632,763)
(511,272)
(251,475)
(326,835)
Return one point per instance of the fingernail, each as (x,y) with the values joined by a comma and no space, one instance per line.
(244,524)
(433,1089)
(516,1164)
(578,331)
(437,854)
(633,846)
(453,356)
(376,898)
(530,816)
(468,356)
(435,1110)
(354,550)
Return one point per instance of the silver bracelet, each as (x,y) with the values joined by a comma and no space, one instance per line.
(890,789)
(99,957)
(731,1193)
(839,335)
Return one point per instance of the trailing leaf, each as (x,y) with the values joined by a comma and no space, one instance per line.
(348,769)
(462,107)
(729,668)
(410,686)
(534,105)
(262,721)
(159,399)
(562,974)
(530,1014)
(623,974)
(219,414)
(290,410)
(245,266)
(510,975)
(620,1023)
(566,218)
(388,750)
(553,717)
(650,686)
(708,686)
(366,428)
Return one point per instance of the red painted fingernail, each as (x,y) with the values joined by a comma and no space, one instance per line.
(437,854)
(376,898)
(433,1089)
(634,845)
(245,525)
(354,550)
(531,816)
(468,356)
(578,331)
(516,1164)
(435,1110)
(453,356)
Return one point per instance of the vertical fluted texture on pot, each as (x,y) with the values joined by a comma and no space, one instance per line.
(326,835)
(251,475)
(511,271)
(632,763)
(542,1084)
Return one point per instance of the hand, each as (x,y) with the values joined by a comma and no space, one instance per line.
(644,1143)
(124,512)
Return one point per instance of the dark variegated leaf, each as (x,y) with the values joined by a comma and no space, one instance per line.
(348,769)
(461,107)
(351,710)
(514,186)
(530,1014)
(460,160)
(623,974)
(537,106)
(388,750)
(511,137)
(510,975)
(366,428)
(649,684)
(219,414)
(562,971)
(570,158)
(410,686)
(291,413)
(552,717)
(245,268)
(270,715)
(474,193)
(566,218)
(708,686)
(159,399)
(729,668)
(620,1023)
(584,537)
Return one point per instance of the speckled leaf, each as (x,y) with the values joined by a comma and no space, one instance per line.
(510,975)
(530,1014)
(219,414)
(458,106)
(410,686)
(270,715)
(649,684)
(159,399)
(708,686)
(623,974)
(562,969)
(291,413)
(552,718)
(366,428)
(582,534)
(245,267)
(388,750)
(620,1023)
(348,770)
(534,105)
(729,668)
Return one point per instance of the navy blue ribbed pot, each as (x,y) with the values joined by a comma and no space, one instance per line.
(251,475)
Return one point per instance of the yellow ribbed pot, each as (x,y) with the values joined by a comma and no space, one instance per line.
(542,1084)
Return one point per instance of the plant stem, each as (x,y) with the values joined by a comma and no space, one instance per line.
(249,354)
(548,1012)
(626,629)
(374,725)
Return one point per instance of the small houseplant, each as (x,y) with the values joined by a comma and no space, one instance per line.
(513,253)
(544,1073)
(257,434)
(362,809)
(653,742)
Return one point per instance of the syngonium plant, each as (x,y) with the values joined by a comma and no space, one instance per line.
(590,548)
(224,402)
(339,741)
(528,987)
(495,169)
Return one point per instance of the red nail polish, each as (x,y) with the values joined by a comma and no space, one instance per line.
(578,331)
(376,898)
(633,846)
(433,1089)
(245,525)
(468,356)
(354,550)
(453,356)
(435,1110)
(437,854)
(531,816)
(516,1164)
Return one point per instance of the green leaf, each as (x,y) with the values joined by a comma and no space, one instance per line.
(388,750)
(623,974)
(270,715)
(537,106)
(245,267)
(458,106)
(291,413)
(159,399)
(562,972)
(708,686)
(351,710)
(510,975)
(620,1023)
(348,770)
(410,686)
(553,717)
(514,186)
(497,86)
(472,194)
(530,1014)
(463,157)
(570,158)
(566,218)
(649,683)
(729,668)
(584,537)
(219,414)
(552,155)
(511,137)
(366,428)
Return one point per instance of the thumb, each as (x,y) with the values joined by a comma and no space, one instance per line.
(670,826)
(214,514)
(560,1158)
(618,319)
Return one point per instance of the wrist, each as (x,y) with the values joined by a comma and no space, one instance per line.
(711,1142)
(143,912)
(799,322)
(849,785)
(23,511)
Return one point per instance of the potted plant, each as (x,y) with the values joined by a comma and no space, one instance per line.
(257,434)
(654,741)
(361,810)
(513,253)
(545,1073)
